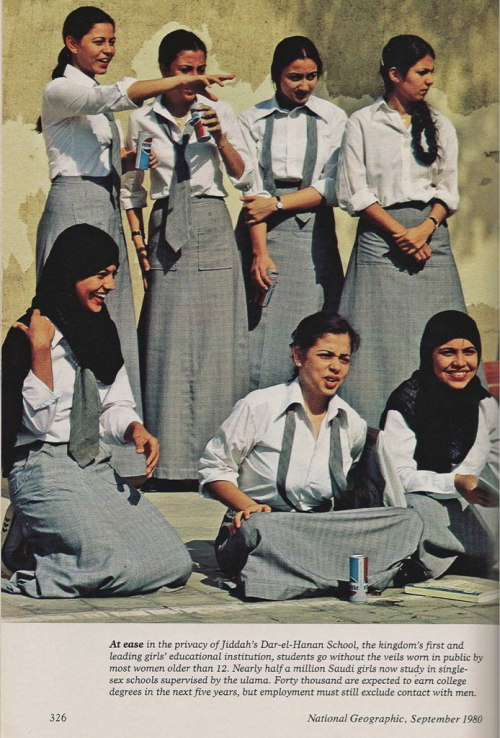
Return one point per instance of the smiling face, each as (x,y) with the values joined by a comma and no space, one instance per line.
(298,80)
(93,53)
(324,366)
(92,291)
(186,62)
(455,363)
(416,84)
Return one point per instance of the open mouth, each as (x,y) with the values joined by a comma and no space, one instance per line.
(99,297)
(462,374)
(331,382)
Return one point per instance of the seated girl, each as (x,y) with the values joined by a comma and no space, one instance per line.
(441,433)
(281,463)
(65,395)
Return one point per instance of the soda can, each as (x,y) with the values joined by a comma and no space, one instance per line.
(202,135)
(358,578)
(144,141)
(263,297)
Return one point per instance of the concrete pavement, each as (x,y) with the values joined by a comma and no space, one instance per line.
(206,599)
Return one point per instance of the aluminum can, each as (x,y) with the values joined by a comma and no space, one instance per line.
(144,141)
(202,135)
(358,577)
(263,297)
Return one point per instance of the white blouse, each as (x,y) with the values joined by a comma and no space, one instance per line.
(482,460)
(46,413)
(246,448)
(76,131)
(289,143)
(203,159)
(377,163)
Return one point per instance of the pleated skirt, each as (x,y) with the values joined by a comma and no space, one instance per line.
(192,336)
(310,279)
(388,298)
(91,533)
(74,200)
(279,556)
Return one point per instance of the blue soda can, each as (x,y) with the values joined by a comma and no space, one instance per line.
(263,297)
(358,578)
(144,141)
(202,135)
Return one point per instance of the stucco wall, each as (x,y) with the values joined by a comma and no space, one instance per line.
(241,36)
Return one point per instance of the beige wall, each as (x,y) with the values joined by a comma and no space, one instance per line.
(241,36)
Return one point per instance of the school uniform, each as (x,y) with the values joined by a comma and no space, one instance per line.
(292,149)
(388,297)
(192,329)
(83,149)
(268,449)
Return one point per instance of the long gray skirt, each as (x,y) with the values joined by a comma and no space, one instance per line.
(192,336)
(451,533)
(91,533)
(74,200)
(279,556)
(388,298)
(310,279)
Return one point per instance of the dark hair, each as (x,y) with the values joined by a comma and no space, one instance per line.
(173,43)
(77,24)
(292,48)
(403,52)
(312,328)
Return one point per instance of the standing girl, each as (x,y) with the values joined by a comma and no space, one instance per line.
(192,330)
(398,171)
(84,151)
(295,139)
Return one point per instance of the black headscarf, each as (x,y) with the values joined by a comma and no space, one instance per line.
(444,419)
(79,252)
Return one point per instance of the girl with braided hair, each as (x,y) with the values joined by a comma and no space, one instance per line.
(398,172)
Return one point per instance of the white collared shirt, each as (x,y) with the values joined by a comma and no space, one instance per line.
(289,143)
(203,158)
(482,460)
(247,446)
(377,163)
(46,413)
(76,131)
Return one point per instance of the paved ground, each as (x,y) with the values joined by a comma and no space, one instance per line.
(207,600)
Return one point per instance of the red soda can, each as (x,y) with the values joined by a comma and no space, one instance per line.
(358,578)
(202,135)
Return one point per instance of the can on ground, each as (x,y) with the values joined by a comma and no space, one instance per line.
(358,578)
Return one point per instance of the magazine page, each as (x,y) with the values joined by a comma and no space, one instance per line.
(353,149)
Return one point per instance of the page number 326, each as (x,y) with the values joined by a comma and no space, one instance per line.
(58,717)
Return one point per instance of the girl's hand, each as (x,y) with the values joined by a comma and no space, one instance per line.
(142,255)
(466,485)
(211,122)
(144,443)
(412,240)
(258,274)
(201,82)
(245,514)
(40,331)
(257,208)
(128,160)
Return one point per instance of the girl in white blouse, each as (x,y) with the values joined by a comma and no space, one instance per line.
(84,151)
(192,330)
(440,428)
(398,171)
(294,138)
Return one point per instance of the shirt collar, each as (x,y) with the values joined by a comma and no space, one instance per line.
(270,106)
(75,75)
(293,396)
(162,110)
(56,338)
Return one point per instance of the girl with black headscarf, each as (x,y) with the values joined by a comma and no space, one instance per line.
(441,431)
(65,395)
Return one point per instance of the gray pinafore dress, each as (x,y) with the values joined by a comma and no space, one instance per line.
(282,555)
(192,335)
(95,200)
(304,249)
(388,298)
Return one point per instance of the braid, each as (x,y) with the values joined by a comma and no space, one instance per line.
(423,122)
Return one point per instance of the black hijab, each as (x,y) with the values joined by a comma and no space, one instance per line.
(78,252)
(444,419)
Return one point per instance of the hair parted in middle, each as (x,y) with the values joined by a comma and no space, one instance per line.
(173,43)
(292,48)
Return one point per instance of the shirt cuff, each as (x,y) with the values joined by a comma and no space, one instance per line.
(360,201)
(36,393)
(123,87)
(450,200)
(439,484)
(215,475)
(326,188)
(114,429)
